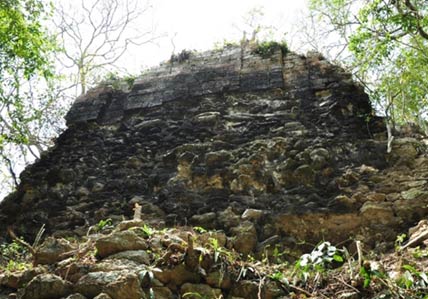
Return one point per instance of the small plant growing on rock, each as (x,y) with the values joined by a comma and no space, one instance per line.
(147,230)
(200,229)
(280,277)
(413,279)
(104,224)
(267,48)
(118,82)
(13,257)
(320,259)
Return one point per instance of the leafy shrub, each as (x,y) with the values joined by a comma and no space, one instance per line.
(13,257)
(267,48)
(413,279)
(118,82)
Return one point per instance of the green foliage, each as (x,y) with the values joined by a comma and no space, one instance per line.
(399,241)
(324,256)
(147,230)
(280,277)
(219,251)
(104,224)
(418,253)
(266,48)
(23,40)
(16,266)
(413,279)
(118,82)
(24,54)
(14,257)
(369,274)
(200,229)
(389,45)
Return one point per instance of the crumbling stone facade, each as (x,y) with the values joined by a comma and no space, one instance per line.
(204,140)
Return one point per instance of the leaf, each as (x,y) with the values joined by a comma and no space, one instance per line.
(424,277)
(338,258)
(410,268)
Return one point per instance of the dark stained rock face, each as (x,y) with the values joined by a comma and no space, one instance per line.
(222,131)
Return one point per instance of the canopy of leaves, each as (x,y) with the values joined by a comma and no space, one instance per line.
(23,41)
(25,71)
(389,43)
(24,48)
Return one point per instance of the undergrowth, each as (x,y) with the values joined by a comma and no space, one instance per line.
(324,272)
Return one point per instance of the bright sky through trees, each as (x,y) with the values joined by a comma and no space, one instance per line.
(199,24)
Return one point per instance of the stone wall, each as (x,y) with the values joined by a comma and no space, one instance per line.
(203,140)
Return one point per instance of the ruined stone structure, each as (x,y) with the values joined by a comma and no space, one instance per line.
(202,139)
(265,150)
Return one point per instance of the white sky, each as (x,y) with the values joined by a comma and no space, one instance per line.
(199,24)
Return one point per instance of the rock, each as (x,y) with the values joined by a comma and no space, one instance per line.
(119,241)
(319,158)
(414,193)
(126,286)
(82,191)
(51,250)
(127,224)
(117,284)
(97,187)
(134,162)
(94,283)
(15,280)
(217,159)
(378,212)
(138,256)
(110,265)
(272,290)
(162,293)
(404,149)
(245,237)
(46,286)
(228,218)
(411,210)
(252,214)
(207,220)
(76,296)
(345,200)
(304,175)
(376,196)
(418,235)
(218,279)
(177,276)
(246,289)
(102,296)
(196,291)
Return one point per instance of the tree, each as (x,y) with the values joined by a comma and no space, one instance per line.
(90,37)
(388,40)
(95,34)
(24,55)
(25,48)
